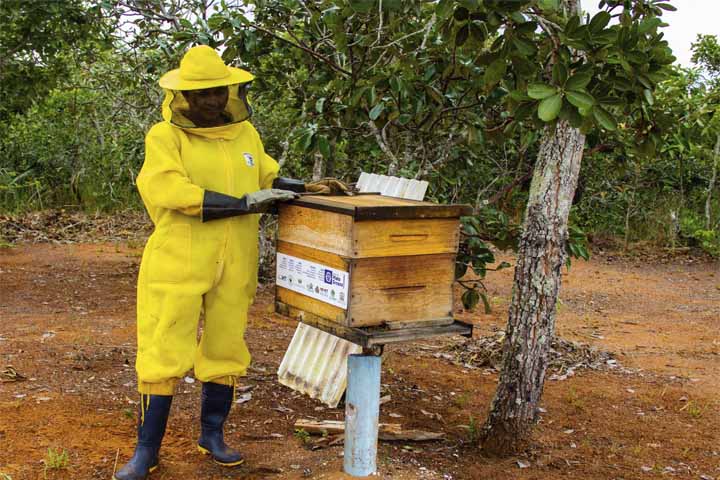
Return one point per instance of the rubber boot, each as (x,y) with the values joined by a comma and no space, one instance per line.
(154,412)
(216,402)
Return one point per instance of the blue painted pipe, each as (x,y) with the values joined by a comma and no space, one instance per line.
(362,413)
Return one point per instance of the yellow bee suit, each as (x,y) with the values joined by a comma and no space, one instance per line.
(189,266)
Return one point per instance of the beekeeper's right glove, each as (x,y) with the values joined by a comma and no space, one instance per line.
(218,205)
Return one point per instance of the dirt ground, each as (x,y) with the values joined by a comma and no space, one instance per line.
(67,323)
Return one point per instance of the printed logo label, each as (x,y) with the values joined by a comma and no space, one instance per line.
(315,280)
(249,159)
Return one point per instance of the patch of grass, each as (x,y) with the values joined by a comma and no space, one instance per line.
(473,430)
(301,434)
(694,410)
(56,459)
(574,400)
(129,413)
(461,400)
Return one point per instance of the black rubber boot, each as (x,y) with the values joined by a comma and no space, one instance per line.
(151,429)
(216,402)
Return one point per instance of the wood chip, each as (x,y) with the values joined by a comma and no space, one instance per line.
(388,431)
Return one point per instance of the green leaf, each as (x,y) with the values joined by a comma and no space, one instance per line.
(519,95)
(478,31)
(372,96)
(578,81)
(362,6)
(359,93)
(649,96)
(559,73)
(570,114)
(581,100)
(319,105)
(461,14)
(470,299)
(549,108)
(604,118)
(404,118)
(549,5)
(377,110)
(306,141)
(462,35)
(525,47)
(540,91)
(649,24)
(666,7)
(599,21)
(460,269)
(429,73)
(494,73)
(524,110)
(444,7)
(324,146)
(395,84)
(486,303)
(572,25)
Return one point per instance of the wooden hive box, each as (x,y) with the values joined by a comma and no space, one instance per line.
(368,260)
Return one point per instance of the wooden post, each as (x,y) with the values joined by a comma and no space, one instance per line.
(362,413)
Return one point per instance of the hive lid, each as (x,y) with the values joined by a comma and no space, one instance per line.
(379,207)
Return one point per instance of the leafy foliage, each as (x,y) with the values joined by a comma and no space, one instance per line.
(40,40)
(475,255)
(454,92)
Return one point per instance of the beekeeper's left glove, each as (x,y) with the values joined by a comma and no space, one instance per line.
(218,205)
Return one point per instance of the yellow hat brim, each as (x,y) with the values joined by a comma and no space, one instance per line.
(172,80)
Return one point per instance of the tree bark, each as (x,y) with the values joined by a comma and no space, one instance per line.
(318,167)
(394,165)
(711,185)
(531,323)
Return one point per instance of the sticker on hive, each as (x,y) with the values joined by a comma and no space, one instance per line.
(315,280)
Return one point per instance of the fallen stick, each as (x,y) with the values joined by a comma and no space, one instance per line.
(388,431)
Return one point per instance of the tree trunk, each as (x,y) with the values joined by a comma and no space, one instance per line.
(628,211)
(318,167)
(531,323)
(394,164)
(711,186)
(330,162)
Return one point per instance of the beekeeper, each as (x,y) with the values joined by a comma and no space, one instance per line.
(205,179)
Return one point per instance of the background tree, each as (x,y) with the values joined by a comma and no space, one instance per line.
(40,41)
(578,74)
(706,52)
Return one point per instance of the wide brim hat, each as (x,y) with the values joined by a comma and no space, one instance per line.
(201,67)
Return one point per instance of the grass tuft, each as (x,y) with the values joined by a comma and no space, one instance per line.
(56,459)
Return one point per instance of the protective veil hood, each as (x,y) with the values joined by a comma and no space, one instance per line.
(201,67)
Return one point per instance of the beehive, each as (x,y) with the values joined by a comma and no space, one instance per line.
(368,260)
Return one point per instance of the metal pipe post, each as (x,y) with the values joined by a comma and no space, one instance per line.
(362,413)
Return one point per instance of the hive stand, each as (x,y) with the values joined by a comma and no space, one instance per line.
(372,270)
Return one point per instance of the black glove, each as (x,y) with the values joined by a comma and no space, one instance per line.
(291,184)
(326,186)
(218,205)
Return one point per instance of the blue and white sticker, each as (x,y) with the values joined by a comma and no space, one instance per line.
(315,280)
(249,159)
